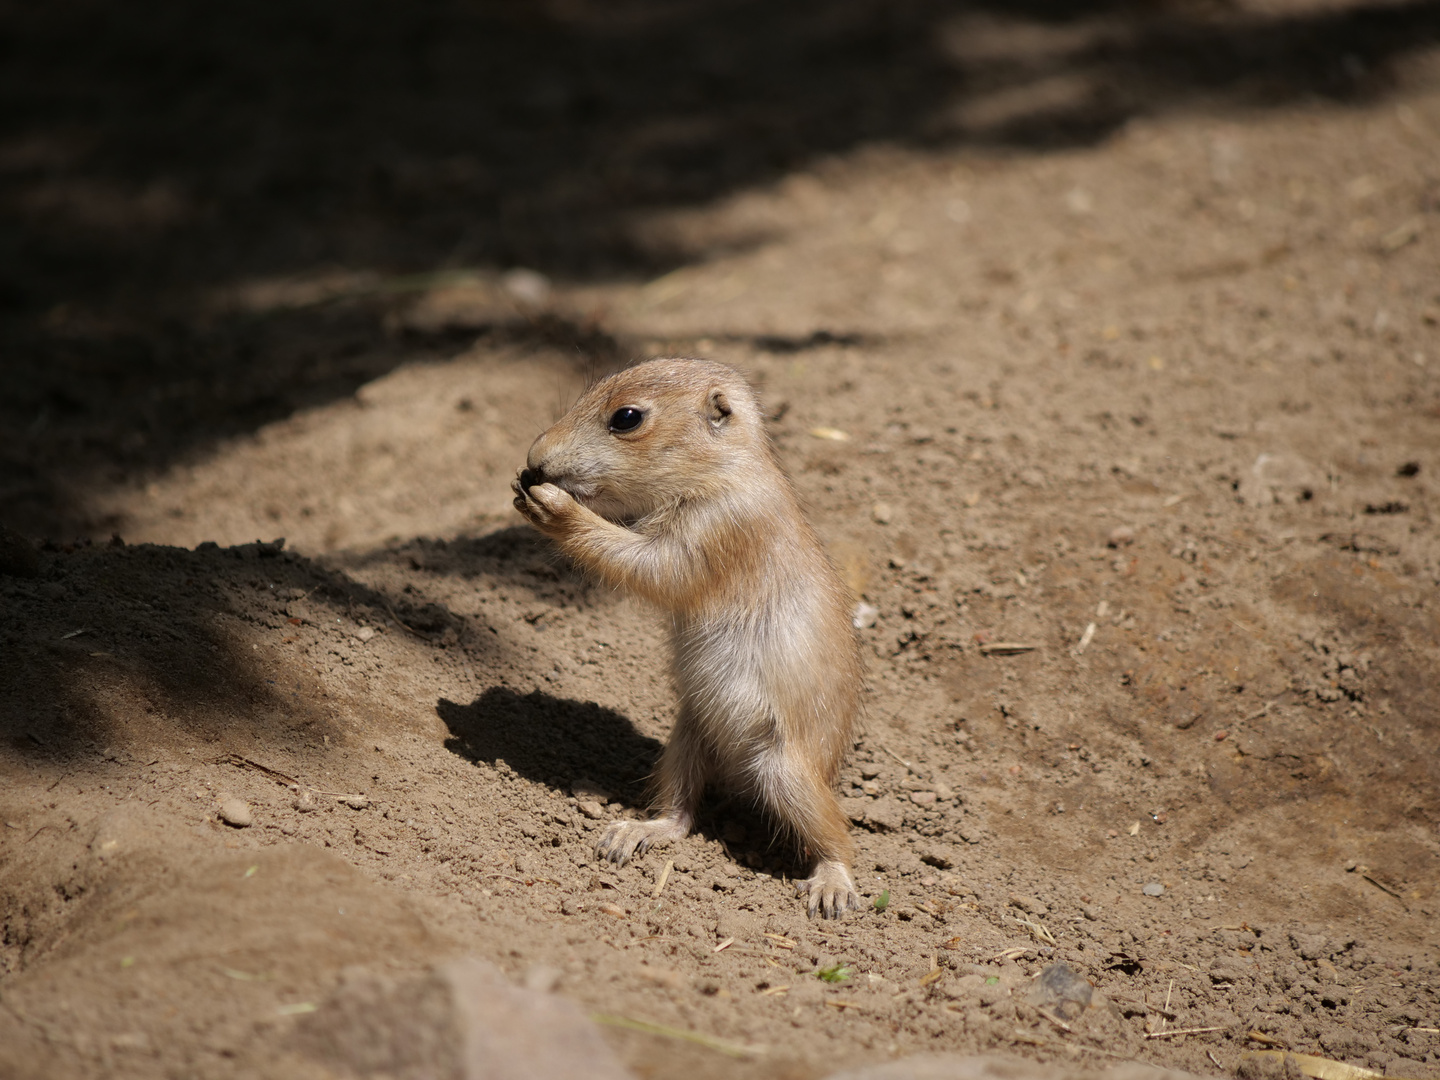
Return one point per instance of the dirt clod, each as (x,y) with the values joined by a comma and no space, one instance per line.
(237,813)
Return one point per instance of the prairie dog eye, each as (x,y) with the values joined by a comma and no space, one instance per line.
(626,419)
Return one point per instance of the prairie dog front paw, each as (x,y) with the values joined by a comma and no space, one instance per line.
(544,505)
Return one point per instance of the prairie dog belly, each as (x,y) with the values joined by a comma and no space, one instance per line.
(751,681)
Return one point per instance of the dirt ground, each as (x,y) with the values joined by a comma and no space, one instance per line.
(1107,332)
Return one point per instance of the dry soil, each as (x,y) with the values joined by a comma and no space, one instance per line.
(1103,345)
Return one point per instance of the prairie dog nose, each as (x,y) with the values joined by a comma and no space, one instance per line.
(530,477)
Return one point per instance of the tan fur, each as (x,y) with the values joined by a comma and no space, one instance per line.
(691,510)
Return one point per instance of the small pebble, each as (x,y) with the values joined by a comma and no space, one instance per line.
(356,802)
(923,798)
(943,791)
(588,789)
(591,809)
(305,801)
(527,286)
(882,513)
(870,770)
(1121,536)
(365,633)
(1153,888)
(1091,912)
(236,813)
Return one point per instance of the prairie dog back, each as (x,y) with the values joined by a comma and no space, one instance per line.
(662,480)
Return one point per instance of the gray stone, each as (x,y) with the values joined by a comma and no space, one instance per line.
(1059,988)
(462,1021)
(959,1067)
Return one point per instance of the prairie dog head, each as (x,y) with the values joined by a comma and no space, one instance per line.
(653,434)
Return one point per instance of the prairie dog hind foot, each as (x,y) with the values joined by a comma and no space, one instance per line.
(830,889)
(626,838)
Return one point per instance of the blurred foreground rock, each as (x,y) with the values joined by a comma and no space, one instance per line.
(463,1021)
(959,1067)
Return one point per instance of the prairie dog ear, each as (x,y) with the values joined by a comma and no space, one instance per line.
(719,407)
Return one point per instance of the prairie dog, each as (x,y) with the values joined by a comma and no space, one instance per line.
(662,480)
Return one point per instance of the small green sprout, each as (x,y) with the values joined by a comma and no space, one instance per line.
(882,901)
(835,973)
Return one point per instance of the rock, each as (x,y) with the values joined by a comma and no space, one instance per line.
(943,791)
(1120,536)
(591,809)
(923,798)
(462,1020)
(882,513)
(365,633)
(961,1067)
(236,813)
(305,801)
(527,286)
(1061,990)
(356,802)
(1153,888)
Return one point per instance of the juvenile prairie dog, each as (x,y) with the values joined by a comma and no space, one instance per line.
(662,480)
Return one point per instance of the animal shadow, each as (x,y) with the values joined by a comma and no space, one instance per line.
(552,740)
